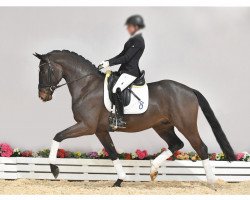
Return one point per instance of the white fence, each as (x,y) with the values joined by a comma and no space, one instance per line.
(137,170)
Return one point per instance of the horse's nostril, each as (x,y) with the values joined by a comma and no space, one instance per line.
(44,95)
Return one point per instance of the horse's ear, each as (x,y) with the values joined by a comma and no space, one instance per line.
(39,56)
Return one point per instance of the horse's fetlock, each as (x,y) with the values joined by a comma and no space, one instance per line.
(58,137)
(176,147)
(113,156)
(180,145)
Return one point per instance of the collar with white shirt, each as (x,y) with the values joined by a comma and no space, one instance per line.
(136,33)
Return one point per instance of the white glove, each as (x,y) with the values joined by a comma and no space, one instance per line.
(104,64)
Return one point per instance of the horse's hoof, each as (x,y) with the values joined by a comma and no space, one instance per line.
(54,170)
(153,175)
(212,187)
(118,183)
(212,182)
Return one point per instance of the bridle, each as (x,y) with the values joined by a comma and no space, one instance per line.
(52,87)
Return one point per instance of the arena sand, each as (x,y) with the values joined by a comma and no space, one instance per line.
(104,187)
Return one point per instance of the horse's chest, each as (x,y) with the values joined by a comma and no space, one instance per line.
(76,109)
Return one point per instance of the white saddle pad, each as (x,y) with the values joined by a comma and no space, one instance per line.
(135,106)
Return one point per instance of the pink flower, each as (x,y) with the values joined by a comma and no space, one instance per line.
(5,150)
(240,156)
(105,152)
(141,154)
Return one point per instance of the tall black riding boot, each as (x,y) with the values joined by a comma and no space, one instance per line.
(119,109)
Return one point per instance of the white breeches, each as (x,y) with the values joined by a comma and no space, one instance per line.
(124,81)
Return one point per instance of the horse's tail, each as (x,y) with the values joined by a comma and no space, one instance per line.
(216,127)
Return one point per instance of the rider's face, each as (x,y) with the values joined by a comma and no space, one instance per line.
(132,29)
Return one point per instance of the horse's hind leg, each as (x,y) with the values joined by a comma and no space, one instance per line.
(192,135)
(107,142)
(169,136)
(184,118)
(166,132)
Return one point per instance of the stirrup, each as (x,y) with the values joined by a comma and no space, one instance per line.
(115,123)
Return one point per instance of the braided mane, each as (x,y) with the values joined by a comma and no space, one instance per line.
(73,55)
(79,59)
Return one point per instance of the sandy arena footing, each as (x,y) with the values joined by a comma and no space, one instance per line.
(24,186)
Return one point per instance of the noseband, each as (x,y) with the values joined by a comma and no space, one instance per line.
(52,87)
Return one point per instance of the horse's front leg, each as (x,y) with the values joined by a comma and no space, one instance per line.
(76,130)
(107,142)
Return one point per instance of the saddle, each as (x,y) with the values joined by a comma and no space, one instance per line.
(126,94)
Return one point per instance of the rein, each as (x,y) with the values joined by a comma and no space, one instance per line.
(54,87)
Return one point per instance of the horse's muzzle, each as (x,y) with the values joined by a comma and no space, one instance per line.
(45,95)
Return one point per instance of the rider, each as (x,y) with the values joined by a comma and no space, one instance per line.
(129,60)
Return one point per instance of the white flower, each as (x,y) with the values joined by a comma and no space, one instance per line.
(245,155)
(100,152)
(34,154)
(133,155)
(217,157)
(16,150)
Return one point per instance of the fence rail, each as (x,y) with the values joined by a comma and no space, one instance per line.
(137,170)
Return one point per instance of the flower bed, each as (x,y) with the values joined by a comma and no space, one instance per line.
(7,151)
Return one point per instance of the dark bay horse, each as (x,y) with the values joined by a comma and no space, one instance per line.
(171,104)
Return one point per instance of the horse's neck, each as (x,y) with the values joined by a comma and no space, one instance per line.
(81,81)
(81,87)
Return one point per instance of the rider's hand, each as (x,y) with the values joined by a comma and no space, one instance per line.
(104,64)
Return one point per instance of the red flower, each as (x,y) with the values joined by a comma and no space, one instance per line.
(170,158)
(177,153)
(163,149)
(213,156)
(67,154)
(61,153)
(127,156)
(141,154)
(26,154)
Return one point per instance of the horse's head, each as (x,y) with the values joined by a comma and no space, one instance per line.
(50,74)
